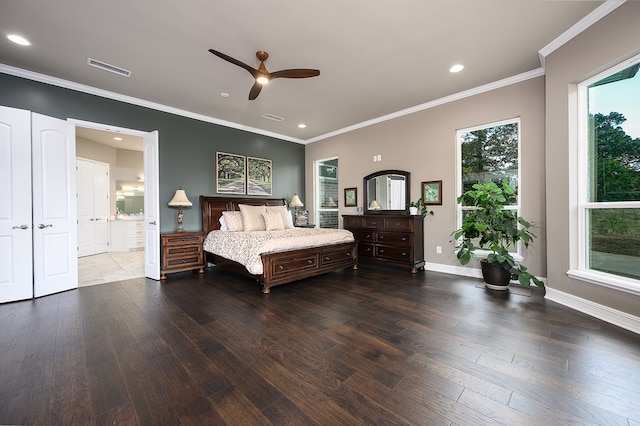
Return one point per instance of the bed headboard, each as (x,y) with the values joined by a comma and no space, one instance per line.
(212,208)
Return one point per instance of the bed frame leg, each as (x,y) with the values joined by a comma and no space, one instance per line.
(265,289)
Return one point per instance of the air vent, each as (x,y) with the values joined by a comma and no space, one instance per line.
(272,117)
(109,67)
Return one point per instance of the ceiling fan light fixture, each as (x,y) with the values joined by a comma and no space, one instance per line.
(262,80)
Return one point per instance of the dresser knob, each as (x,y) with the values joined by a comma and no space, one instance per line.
(309,261)
(404,253)
(281,267)
(382,237)
(326,258)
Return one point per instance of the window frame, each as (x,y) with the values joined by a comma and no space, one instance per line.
(481,254)
(579,243)
(318,209)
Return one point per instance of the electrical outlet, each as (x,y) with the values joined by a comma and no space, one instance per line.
(438,250)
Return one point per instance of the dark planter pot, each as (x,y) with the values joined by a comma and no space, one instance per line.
(495,277)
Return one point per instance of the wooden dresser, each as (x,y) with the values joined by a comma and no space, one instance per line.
(181,251)
(389,239)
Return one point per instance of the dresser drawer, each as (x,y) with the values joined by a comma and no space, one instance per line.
(365,250)
(393,253)
(374,222)
(353,222)
(395,238)
(364,236)
(174,239)
(398,224)
(175,251)
(185,262)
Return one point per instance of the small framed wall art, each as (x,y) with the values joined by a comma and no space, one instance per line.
(432,192)
(350,197)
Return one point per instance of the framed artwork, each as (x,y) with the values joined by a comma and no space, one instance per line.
(350,197)
(259,174)
(432,192)
(230,173)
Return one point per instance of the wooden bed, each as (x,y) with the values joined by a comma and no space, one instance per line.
(279,267)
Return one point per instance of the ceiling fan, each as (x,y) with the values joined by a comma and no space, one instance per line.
(261,75)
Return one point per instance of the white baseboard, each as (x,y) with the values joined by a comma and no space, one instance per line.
(612,316)
(605,313)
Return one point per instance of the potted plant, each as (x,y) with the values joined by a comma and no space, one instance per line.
(417,207)
(491,227)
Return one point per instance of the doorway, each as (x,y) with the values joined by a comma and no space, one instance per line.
(123,257)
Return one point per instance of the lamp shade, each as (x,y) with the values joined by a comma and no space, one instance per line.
(180,199)
(295,201)
(374,205)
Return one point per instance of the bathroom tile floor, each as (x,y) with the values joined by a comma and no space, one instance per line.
(109,267)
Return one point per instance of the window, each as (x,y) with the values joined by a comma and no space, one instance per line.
(488,153)
(609,179)
(327,193)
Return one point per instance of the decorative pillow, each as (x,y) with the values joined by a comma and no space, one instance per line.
(288,220)
(223,223)
(273,221)
(286,215)
(233,221)
(252,219)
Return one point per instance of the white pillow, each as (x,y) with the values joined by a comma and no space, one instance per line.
(286,215)
(288,220)
(252,219)
(233,220)
(273,221)
(223,223)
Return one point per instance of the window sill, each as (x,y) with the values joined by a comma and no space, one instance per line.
(627,285)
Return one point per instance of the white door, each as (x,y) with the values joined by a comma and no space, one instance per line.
(55,261)
(16,270)
(151,207)
(93,207)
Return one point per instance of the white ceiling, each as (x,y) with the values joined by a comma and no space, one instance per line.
(375,57)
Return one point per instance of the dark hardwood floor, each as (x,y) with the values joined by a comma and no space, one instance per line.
(373,346)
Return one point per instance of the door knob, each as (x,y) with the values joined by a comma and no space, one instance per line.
(20,227)
(42,226)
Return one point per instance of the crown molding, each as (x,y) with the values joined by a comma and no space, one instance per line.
(66,84)
(600,12)
(432,104)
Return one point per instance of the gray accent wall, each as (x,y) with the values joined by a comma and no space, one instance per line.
(187,147)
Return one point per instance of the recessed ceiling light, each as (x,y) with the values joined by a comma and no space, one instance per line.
(19,40)
(224,94)
(456,68)
(302,125)
(117,138)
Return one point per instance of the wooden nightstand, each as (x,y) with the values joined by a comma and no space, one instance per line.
(181,251)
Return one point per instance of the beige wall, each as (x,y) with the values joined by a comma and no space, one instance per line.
(124,164)
(424,143)
(609,41)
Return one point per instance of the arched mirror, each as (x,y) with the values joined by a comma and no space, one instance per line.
(386,191)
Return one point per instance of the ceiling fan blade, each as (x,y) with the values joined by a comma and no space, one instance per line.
(254,72)
(255,91)
(295,73)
